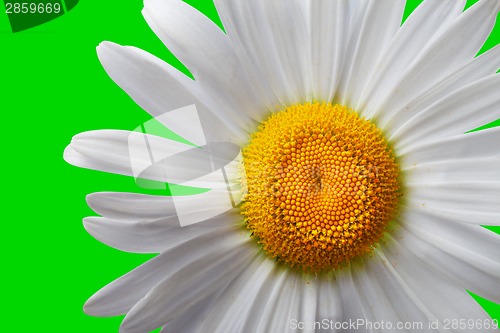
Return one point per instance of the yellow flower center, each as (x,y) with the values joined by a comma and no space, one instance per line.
(321,185)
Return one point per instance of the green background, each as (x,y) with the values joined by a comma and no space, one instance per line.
(53,87)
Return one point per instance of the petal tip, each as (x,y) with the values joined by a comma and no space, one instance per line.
(92,200)
(91,308)
(69,155)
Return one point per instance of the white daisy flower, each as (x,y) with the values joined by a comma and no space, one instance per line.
(362,198)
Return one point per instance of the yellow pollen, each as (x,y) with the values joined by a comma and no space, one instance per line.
(321,185)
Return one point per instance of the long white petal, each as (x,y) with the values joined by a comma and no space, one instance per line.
(235,309)
(131,206)
(329,305)
(289,31)
(119,152)
(308,301)
(208,53)
(465,254)
(469,107)
(329,25)
(487,64)
(269,307)
(409,41)
(159,88)
(352,307)
(482,169)
(254,29)
(121,295)
(453,301)
(138,237)
(287,306)
(191,321)
(458,214)
(377,27)
(447,52)
(154,158)
(153,236)
(189,285)
(374,299)
(395,295)
(459,196)
(465,146)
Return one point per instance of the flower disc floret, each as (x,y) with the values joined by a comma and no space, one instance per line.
(321,185)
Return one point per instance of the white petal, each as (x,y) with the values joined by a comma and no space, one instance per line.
(329,302)
(189,285)
(152,157)
(465,146)
(458,196)
(289,30)
(466,254)
(476,69)
(139,237)
(159,88)
(465,215)
(329,25)
(467,108)
(184,121)
(456,169)
(121,295)
(256,35)
(119,152)
(308,302)
(376,300)
(393,292)
(447,52)
(372,35)
(153,236)
(352,306)
(438,297)
(208,53)
(409,41)
(269,304)
(237,309)
(184,30)
(191,321)
(357,13)
(287,306)
(131,206)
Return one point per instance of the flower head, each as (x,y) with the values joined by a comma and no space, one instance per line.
(340,185)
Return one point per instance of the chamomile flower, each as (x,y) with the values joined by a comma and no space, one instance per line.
(340,186)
